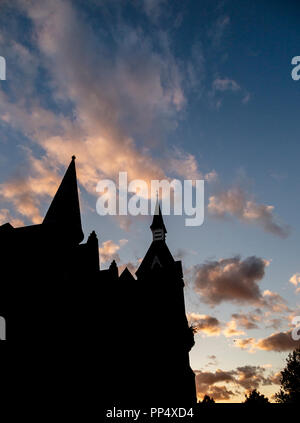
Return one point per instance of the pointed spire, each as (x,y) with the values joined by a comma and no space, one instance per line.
(64,209)
(158,227)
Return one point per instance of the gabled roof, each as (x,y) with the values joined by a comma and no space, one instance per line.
(6,228)
(157,255)
(126,276)
(64,209)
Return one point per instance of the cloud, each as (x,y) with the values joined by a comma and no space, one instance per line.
(211,176)
(231,329)
(246,98)
(6,217)
(234,202)
(266,366)
(221,86)
(225,84)
(247,321)
(276,378)
(274,323)
(247,377)
(203,323)
(213,360)
(295,280)
(25,193)
(217,392)
(211,326)
(278,341)
(206,379)
(154,8)
(275,302)
(108,98)
(186,166)
(216,32)
(108,250)
(231,279)
(251,377)
(245,343)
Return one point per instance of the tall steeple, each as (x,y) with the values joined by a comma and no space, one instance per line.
(64,210)
(158,227)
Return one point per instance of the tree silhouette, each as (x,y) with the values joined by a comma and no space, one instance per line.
(208,400)
(290,380)
(256,398)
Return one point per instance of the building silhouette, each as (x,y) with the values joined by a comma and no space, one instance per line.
(73,325)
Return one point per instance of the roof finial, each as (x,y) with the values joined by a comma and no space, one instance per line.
(158,227)
(157,207)
(73,157)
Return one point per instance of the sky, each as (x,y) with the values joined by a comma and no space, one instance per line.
(170,89)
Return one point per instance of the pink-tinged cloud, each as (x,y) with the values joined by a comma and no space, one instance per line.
(6,217)
(278,341)
(244,343)
(236,203)
(109,250)
(25,193)
(232,330)
(206,324)
(275,302)
(133,92)
(295,280)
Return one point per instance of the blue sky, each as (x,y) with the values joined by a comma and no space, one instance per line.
(186,89)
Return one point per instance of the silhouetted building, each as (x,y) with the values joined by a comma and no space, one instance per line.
(125,339)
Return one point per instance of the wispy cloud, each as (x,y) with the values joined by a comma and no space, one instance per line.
(225,84)
(6,217)
(218,28)
(26,193)
(235,202)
